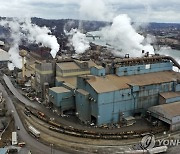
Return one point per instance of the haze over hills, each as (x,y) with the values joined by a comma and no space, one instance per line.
(59,26)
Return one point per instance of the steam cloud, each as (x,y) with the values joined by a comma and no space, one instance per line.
(36,34)
(25,30)
(78,40)
(16,36)
(120,35)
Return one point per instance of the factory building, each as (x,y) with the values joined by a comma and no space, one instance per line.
(62,98)
(168,113)
(66,78)
(75,68)
(4,58)
(44,77)
(169,97)
(67,72)
(134,87)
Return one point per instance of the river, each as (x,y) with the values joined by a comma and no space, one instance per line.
(171,52)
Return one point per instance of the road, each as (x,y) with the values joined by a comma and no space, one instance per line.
(25,101)
(23,134)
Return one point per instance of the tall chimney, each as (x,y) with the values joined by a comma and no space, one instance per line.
(23,54)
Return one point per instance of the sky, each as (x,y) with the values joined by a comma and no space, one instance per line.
(138,10)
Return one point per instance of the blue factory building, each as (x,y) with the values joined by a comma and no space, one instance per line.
(104,99)
(62,98)
(135,85)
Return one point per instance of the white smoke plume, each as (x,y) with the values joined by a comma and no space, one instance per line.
(36,34)
(23,29)
(16,36)
(120,35)
(79,41)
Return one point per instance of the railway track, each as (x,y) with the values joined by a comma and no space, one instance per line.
(68,130)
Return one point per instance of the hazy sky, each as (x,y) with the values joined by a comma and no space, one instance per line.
(138,10)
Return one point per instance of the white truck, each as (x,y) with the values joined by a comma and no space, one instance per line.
(14,138)
(34,131)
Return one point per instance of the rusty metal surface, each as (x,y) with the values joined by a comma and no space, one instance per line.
(68,66)
(144,60)
(170,94)
(113,82)
(70,80)
(59,89)
(167,110)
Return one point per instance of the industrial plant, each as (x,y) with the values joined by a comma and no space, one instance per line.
(109,91)
(92,91)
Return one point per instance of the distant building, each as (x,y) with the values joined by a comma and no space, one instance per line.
(4,58)
(1,44)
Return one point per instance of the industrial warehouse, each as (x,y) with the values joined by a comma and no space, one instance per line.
(107,93)
(97,95)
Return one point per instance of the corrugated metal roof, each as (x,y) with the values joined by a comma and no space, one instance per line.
(59,89)
(113,82)
(91,63)
(68,66)
(68,85)
(82,92)
(167,110)
(170,94)
(98,67)
(4,55)
(70,80)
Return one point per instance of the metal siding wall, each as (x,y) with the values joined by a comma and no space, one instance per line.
(94,109)
(82,84)
(176,120)
(178,87)
(141,69)
(105,114)
(66,100)
(83,107)
(59,83)
(106,98)
(97,72)
(54,99)
(172,100)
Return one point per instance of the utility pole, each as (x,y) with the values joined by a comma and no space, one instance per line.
(51,145)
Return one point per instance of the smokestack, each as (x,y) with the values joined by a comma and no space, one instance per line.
(23,54)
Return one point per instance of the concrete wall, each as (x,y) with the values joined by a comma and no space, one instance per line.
(143,69)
